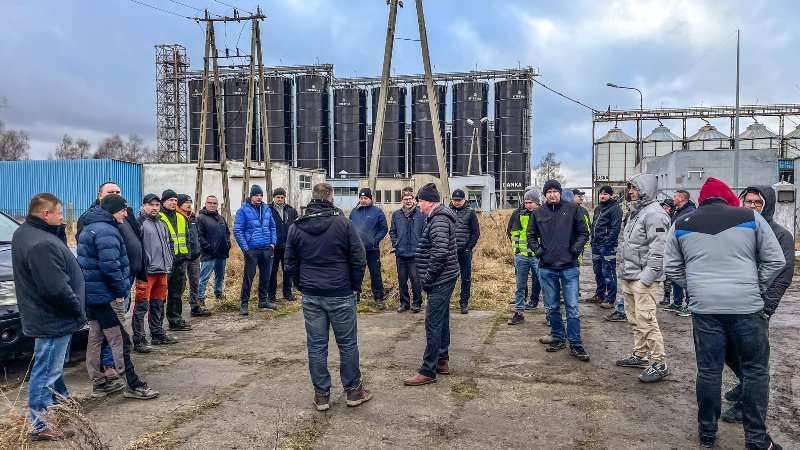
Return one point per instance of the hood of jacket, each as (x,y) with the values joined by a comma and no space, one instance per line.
(647,185)
(442,210)
(767,194)
(99,215)
(318,217)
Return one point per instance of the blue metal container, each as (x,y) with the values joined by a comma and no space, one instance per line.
(75,182)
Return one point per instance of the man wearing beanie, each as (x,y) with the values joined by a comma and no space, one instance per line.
(176,281)
(370,222)
(407,225)
(726,258)
(106,270)
(556,235)
(603,239)
(186,209)
(254,230)
(468,231)
(284,216)
(437,268)
(525,262)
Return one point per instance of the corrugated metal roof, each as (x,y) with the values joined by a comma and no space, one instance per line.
(661,133)
(615,135)
(757,131)
(73,181)
(707,133)
(795,134)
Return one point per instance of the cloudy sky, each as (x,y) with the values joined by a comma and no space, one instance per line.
(85,67)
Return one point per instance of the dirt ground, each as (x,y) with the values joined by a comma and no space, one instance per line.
(241,383)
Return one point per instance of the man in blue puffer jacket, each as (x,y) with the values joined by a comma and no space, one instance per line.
(370,223)
(254,230)
(103,258)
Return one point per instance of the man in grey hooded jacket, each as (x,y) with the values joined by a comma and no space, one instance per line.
(642,269)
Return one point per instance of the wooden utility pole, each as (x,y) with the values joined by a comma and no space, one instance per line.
(262,107)
(201,150)
(223,153)
(248,132)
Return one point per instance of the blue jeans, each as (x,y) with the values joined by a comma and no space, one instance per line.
(747,336)
(524,265)
(206,267)
(620,305)
(47,377)
(339,313)
(678,294)
(569,280)
(604,265)
(437,327)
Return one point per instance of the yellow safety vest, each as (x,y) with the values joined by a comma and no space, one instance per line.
(519,238)
(179,246)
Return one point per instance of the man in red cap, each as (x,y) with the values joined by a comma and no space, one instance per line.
(726,257)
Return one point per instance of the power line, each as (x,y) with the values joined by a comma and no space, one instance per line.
(160,9)
(240,34)
(563,95)
(188,6)
(232,6)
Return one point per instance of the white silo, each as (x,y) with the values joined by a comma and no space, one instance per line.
(708,138)
(793,143)
(758,136)
(660,142)
(615,156)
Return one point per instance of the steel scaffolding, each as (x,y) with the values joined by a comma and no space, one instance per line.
(171,100)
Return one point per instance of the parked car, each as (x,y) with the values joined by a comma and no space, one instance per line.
(12,342)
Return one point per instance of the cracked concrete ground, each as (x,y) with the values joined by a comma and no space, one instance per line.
(242,383)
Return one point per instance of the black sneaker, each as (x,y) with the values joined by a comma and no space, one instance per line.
(617,316)
(142,347)
(141,392)
(403,308)
(200,312)
(516,319)
(358,396)
(556,346)
(322,401)
(665,302)
(107,388)
(465,310)
(415,309)
(164,340)
(380,305)
(732,414)
(656,372)
(735,394)
(183,326)
(634,361)
(267,305)
(708,441)
(529,307)
(577,351)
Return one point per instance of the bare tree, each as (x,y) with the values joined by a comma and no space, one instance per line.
(73,149)
(114,147)
(549,168)
(14,145)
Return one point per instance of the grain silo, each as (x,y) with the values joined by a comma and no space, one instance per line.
(758,136)
(470,110)
(235,104)
(792,144)
(423,146)
(278,92)
(195,116)
(313,130)
(708,138)
(660,142)
(350,132)
(615,157)
(512,115)
(393,148)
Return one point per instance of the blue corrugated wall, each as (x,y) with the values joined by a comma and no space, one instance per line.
(75,182)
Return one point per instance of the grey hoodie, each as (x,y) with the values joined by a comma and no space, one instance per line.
(157,244)
(645,233)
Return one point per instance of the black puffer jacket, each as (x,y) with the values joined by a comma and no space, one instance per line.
(324,254)
(557,235)
(282,226)
(214,235)
(772,297)
(467,229)
(437,257)
(607,224)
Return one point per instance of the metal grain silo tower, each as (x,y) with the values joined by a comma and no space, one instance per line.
(660,142)
(350,132)
(278,93)
(758,136)
(423,146)
(235,103)
(792,144)
(512,111)
(195,113)
(393,148)
(470,110)
(614,157)
(313,133)
(708,138)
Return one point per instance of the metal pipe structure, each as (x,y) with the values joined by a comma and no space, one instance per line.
(638,120)
(711,112)
(523,73)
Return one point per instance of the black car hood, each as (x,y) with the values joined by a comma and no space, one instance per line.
(6,273)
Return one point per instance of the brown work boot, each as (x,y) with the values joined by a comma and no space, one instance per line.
(418,380)
(546,339)
(358,396)
(594,299)
(48,434)
(443,367)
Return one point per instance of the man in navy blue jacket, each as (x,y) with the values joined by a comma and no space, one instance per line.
(407,225)
(254,230)
(370,223)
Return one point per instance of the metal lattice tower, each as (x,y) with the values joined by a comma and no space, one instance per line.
(171,100)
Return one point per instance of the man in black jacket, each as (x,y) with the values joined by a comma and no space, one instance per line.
(284,215)
(186,208)
(604,238)
(215,245)
(557,235)
(326,259)
(761,199)
(468,231)
(50,294)
(407,225)
(437,267)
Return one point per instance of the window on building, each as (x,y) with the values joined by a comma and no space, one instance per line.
(378,197)
(387,195)
(305,182)
(398,196)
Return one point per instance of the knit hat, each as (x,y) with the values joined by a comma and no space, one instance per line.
(429,193)
(168,194)
(365,192)
(183,198)
(149,198)
(551,184)
(458,194)
(279,191)
(668,202)
(113,203)
(532,196)
(715,188)
(607,190)
(256,190)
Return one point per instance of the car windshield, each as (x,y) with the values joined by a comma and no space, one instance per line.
(7,227)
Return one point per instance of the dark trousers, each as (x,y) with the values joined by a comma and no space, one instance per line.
(465,266)
(604,265)
(747,336)
(260,258)
(176,284)
(374,266)
(407,271)
(277,259)
(437,327)
(193,275)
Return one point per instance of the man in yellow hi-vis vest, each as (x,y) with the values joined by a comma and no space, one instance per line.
(525,262)
(176,282)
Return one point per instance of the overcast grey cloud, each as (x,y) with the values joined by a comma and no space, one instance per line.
(85,67)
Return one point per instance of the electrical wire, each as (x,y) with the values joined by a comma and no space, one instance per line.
(240,34)
(177,2)
(138,2)
(563,95)
(232,6)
